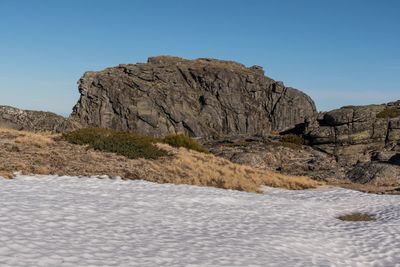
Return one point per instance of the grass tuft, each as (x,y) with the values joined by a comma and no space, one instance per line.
(181,140)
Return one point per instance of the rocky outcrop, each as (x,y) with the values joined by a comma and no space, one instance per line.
(29,120)
(205,98)
(349,132)
(375,173)
(365,140)
(274,155)
(357,134)
(354,144)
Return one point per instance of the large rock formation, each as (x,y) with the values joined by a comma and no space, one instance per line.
(30,120)
(203,98)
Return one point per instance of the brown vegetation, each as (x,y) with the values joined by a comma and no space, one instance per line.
(6,174)
(34,139)
(357,217)
(291,141)
(50,154)
(389,113)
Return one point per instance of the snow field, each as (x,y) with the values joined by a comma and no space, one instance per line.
(71,221)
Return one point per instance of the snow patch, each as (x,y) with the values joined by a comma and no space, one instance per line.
(71,221)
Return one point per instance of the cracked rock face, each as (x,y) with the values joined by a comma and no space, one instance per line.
(363,141)
(355,130)
(204,98)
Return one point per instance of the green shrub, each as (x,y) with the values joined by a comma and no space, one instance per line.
(181,140)
(126,144)
(388,113)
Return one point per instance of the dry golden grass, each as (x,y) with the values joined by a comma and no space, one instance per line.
(208,170)
(36,140)
(43,170)
(7,174)
(33,153)
(30,138)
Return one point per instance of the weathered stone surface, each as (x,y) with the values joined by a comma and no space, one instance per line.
(203,98)
(275,155)
(348,126)
(353,132)
(362,140)
(351,144)
(29,120)
(375,173)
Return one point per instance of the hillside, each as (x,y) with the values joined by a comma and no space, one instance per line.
(41,153)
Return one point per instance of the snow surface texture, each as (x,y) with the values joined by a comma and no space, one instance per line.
(70,221)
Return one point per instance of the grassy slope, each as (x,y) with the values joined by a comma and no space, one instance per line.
(33,153)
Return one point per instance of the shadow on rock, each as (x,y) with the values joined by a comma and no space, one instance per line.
(395,159)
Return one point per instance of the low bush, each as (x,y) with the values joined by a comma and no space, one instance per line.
(389,113)
(181,140)
(126,144)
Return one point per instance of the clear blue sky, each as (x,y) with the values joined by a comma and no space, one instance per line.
(339,51)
